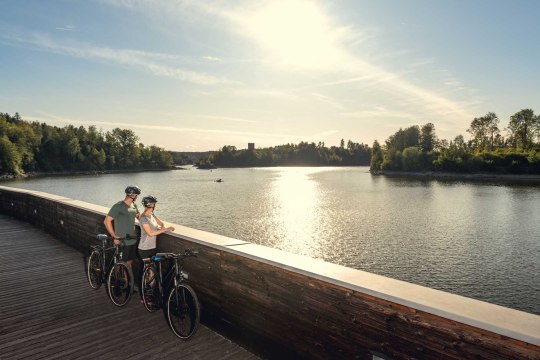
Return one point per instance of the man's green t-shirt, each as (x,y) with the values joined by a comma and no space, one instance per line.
(124,220)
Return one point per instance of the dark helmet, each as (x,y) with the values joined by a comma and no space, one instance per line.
(147,200)
(133,190)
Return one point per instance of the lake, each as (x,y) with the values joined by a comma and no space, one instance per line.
(473,238)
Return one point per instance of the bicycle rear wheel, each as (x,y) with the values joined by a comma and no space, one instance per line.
(150,289)
(120,283)
(94,270)
(183,311)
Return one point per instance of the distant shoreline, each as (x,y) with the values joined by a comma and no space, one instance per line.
(461,176)
(395,174)
(40,174)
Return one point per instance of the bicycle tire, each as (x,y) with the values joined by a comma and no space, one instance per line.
(150,289)
(94,270)
(183,311)
(120,283)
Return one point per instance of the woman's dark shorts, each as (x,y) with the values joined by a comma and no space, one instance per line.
(145,254)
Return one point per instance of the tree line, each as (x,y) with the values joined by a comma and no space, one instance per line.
(32,146)
(418,149)
(302,154)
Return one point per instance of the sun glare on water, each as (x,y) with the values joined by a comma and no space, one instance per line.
(295,33)
(297,211)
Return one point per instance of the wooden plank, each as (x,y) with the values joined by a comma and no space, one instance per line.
(50,311)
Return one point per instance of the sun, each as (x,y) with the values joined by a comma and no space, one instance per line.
(295,33)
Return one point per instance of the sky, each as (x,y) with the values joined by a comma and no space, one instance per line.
(193,75)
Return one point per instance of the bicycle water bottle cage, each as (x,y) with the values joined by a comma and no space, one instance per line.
(102,237)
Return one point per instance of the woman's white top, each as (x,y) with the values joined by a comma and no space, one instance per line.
(148,242)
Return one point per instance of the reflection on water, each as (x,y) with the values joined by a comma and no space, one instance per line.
(296,212)
(476,239)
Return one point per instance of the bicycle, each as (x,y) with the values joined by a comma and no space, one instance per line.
(112,270)
(182,306)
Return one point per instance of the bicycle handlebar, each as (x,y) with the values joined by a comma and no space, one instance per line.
(187,253)
(107,237)
(104,237)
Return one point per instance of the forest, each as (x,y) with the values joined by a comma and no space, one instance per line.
(418,149)
(37,147)
(302,154)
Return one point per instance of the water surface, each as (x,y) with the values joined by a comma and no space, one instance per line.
(477,239)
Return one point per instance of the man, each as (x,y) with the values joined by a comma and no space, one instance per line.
(123,213)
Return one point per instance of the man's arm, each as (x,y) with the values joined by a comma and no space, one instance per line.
(108,225)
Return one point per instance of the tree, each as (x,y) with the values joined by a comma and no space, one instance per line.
(128,151)
(484,131)
(403,139)
(411,159)
(428,139)
(492,121)
(376,157)
(73,148)
(10,160)
(524,127)
(479,132)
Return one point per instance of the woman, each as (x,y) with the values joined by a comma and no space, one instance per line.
(151,227)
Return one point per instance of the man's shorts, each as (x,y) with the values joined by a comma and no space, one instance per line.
(129,252)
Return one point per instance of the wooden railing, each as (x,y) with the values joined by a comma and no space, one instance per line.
(282,305)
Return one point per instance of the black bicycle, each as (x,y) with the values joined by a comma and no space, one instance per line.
(180,301)
(105,265)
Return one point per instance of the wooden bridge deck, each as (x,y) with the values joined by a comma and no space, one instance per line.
(48,310)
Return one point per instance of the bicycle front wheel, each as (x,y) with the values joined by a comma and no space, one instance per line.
(150,289)
(120,283)
(94,270)
(183,311)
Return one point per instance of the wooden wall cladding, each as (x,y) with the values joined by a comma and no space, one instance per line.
(282,313)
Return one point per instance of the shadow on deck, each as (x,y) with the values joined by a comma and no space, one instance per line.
(48,310)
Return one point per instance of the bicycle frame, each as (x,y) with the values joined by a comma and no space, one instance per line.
(176,270)
(103,250)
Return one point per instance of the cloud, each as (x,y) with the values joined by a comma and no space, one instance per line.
(220,136)
(303,35)
(226,118)
(154,63)
(67,28)
(212,58)
(377,112)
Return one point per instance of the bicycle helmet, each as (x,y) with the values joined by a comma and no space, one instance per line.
(148,200)
(133,190)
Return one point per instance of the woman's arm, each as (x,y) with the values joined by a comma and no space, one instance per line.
(159,222)
(149,231)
